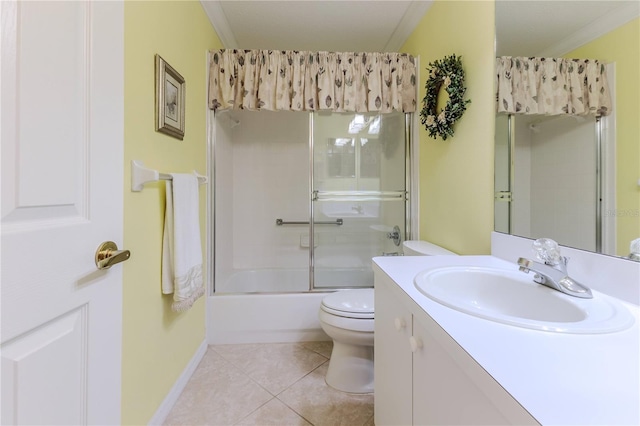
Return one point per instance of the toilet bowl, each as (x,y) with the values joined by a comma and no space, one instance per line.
(347,317)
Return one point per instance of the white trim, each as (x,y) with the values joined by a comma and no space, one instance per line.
(593,30)
(407,24)
(219,22)
(169,401)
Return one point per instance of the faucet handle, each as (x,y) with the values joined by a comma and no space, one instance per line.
(548,251)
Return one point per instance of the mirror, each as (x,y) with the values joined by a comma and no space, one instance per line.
(610,32)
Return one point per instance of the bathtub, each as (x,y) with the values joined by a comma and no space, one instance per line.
(276,305)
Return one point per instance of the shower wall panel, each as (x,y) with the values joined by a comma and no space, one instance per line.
(223,193)
(564,150)
(555,178)
(270,181)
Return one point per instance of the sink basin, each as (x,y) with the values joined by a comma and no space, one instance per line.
(511,297)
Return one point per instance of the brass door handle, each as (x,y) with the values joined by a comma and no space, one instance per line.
(108,255)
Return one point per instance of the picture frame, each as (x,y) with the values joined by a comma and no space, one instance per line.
(170,99)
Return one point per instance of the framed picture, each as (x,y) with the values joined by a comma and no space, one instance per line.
(170,99)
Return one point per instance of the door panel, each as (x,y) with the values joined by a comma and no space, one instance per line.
(62,183)
(26,360)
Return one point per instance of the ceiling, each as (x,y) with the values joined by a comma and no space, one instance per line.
(329,25)
(553,28)
(523,27)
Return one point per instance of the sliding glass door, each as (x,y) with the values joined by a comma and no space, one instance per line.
(358,207)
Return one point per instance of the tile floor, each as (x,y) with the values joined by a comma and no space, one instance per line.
(267,384)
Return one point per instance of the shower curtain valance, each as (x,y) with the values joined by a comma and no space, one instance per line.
(308,81)
(552,86)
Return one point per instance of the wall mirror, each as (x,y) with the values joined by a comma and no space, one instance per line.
(575,179)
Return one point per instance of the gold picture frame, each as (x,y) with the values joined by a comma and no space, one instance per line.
(170,99)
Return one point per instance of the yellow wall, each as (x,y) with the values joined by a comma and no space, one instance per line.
(622,46)
(456,175)
(158,343)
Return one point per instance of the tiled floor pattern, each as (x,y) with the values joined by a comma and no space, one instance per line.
(267,384)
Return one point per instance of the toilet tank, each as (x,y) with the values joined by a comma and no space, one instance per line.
(423,248)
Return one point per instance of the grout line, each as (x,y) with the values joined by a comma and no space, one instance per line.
(293,409)
(272,398)
(292,384)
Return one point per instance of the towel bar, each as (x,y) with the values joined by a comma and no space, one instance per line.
(141,175)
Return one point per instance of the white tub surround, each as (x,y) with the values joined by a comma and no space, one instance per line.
(558,378)
(610,275)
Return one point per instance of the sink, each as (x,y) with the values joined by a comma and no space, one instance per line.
(511,297)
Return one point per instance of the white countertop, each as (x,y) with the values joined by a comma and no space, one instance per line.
(559,378)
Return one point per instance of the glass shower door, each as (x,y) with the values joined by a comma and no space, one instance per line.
(358,193)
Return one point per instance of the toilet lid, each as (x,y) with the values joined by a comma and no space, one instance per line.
(350,303)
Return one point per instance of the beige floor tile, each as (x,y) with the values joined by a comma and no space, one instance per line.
(230,352)
(323,348)
(217,394)
(274,413)
(274,366)
(322,405)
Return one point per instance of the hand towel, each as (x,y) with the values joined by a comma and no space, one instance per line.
(181,248)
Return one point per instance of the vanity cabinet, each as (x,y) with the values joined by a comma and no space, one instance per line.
(423,377)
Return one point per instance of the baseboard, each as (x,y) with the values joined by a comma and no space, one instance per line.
(169,401)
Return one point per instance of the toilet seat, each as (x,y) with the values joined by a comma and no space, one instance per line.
(356,304)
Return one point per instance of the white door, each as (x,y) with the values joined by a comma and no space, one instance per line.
(62,188)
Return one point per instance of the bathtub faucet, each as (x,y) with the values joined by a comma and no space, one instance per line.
(395,235)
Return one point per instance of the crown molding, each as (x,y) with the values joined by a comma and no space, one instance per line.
(593,30)
(407,24)
(218,20)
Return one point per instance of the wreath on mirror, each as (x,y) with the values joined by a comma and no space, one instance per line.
(447,73)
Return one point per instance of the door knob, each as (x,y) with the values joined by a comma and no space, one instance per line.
(108,255)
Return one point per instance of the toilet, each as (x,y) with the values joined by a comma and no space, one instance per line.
(347,317)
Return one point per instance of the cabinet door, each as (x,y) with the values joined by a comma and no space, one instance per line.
(393,373)
(450,388)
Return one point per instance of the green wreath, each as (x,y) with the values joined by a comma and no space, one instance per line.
(447,72)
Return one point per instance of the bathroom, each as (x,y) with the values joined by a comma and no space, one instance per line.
(228,309)
(455,184)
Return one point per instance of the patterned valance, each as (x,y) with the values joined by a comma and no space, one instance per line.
(308,81)
(552,86)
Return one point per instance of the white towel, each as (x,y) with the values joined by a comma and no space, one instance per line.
(181,249)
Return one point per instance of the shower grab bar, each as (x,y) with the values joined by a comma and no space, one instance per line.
(281,222)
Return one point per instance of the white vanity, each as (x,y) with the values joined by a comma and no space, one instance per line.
(437,365)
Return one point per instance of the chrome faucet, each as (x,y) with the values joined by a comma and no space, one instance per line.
(553,272)
(555,277)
